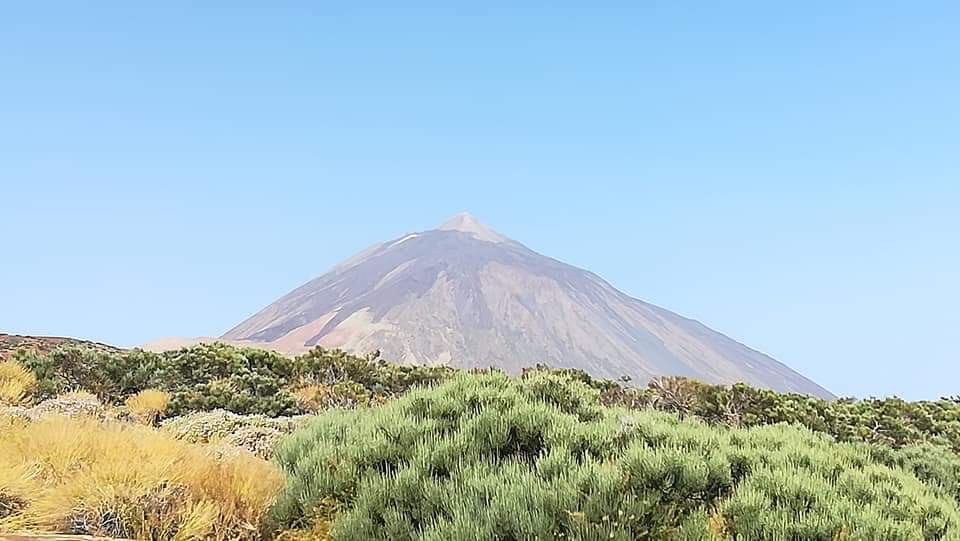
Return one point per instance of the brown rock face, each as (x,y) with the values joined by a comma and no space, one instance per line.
(466,296)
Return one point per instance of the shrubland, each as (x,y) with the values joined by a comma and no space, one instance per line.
(888,421)
(218,376)
(492,457)
(355,447)
(253,381)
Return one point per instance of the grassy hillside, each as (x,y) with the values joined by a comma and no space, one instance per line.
(381,451)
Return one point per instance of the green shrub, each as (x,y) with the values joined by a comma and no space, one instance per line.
(111,376)
(378,377)
(218,376)
(203,377)
(890,421)
(490,457)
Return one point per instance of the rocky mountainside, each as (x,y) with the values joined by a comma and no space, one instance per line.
(465,295)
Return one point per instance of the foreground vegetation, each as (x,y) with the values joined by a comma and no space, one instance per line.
(115,479)
(380,451)
(490,457)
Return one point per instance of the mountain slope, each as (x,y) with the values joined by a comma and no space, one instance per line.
(11,343)
(465,295)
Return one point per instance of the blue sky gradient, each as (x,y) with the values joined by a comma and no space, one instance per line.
(787,174)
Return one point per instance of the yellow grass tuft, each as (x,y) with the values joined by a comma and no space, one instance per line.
(16,384)
(120,480)
(148,404)
(717,523)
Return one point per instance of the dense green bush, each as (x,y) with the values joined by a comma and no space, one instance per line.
(241,380)
(377,376)
(110,375)
(219,376)
(205,377)
(492,457)
(890,421)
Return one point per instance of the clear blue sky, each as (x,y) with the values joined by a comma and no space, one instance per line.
(788,173)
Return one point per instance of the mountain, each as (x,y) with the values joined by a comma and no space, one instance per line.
(467,296)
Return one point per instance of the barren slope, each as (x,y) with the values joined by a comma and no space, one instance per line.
(467,296)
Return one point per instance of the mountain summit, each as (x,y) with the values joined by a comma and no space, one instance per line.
(466,223)
(467,296)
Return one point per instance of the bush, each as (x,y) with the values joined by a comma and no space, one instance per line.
(111,376)
(73,404)
(81,476)
(255,433)
(890,421)
(258,440)
(16,384)
(378,377)
(242,380)
(490,457)
(213,426)
(217,376)
(148,405)
(343,394)
(204,377)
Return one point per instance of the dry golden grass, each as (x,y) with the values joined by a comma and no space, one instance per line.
(16,384)
(312,397)
(79,475)
(148,404)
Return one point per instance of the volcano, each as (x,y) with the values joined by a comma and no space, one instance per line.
(467,296)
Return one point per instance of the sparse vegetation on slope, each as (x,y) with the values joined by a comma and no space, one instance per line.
(12,343)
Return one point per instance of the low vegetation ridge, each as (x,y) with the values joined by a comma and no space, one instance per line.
(11,343)
(223,442)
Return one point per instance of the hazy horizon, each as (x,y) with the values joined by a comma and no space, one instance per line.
(785,175)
